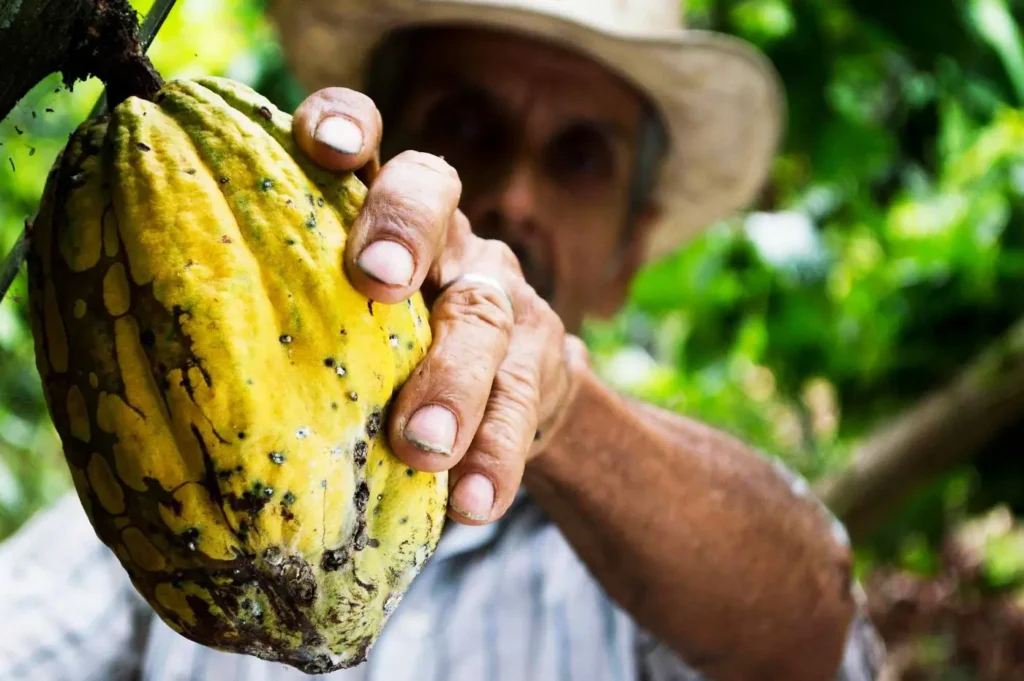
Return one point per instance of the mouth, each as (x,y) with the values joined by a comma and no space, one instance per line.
(538,274)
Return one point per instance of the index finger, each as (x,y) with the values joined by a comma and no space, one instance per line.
(340,129)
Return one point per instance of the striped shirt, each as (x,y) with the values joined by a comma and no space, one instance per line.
(509,601)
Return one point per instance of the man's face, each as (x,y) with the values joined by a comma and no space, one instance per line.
(544,144)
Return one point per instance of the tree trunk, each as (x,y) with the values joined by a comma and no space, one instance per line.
(78,38)
(945,429)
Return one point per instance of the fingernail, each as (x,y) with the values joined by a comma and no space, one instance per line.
(432,428)
(388,262)
(340,134)
(473,497)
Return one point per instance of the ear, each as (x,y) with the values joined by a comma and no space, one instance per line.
(612,294)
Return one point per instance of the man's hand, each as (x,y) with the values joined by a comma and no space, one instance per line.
(491,391)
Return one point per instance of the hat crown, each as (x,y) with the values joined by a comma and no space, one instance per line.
(620,16)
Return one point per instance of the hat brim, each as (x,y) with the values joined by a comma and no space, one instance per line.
(720,98)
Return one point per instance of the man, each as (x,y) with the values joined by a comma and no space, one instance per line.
(535,153)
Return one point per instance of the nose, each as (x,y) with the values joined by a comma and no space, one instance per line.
(513,197)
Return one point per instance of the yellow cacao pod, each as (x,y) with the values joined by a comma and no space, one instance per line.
(219,387)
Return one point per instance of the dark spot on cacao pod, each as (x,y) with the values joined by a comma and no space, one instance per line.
(381,462)
(362,496)
(329,362)
(48,110)
(404,520)
(272,555)
(241,435)
(359,453)
(334,405)
(373,543)
(344,332)
(277,457)
(360,542)
(311,638)
(190,536)
(409,472)
(19,130)
(333,560)
(320,202)
(225,239)
(369,306)
(408,346)
(243,531)
(267,185)
(289,242)
(311,221)
(354,396)
(537,435)
(376,510)
(78,180)
(224,180)
(373,423)
(190,171)
(268,492)
(298,576)
(288,499)
(142,147)
(323,483)
(309,197)
(265,112)
(285,339)
(148,340)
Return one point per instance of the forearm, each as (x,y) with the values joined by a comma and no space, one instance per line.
(698,538)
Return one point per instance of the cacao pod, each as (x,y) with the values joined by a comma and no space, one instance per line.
(219,387)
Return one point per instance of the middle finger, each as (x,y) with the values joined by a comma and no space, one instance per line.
(402,226)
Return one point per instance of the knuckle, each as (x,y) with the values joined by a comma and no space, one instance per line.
(498,446)
(430,162)
(477,306)
(515,386)
(502,254)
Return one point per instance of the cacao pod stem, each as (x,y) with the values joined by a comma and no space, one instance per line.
(138,77)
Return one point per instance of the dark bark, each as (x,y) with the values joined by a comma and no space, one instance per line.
(79,39)
(944,430)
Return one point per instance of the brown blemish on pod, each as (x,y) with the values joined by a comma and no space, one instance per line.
(110,239)
(56,335)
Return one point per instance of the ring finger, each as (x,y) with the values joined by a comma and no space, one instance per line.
(440,406)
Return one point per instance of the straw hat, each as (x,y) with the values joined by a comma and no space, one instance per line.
(720,99)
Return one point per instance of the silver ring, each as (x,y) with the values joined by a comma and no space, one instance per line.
(477,278)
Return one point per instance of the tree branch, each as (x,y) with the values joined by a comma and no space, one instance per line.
(945,429)
(78,38)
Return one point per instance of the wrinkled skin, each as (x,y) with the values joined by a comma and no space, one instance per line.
(692,532)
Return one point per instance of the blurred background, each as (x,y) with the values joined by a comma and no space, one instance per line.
(864,322)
